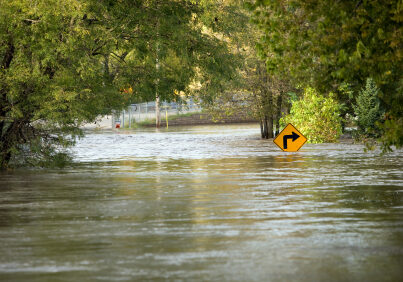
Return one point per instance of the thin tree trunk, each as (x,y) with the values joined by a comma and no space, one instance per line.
(9,55)
(5,159)
(269,127)
(278,115)
(265,126)
(157,112)
(277,127)
(157,94)
(261,128)
(5,145)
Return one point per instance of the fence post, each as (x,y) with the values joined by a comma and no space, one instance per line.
(113,119)
(130,119)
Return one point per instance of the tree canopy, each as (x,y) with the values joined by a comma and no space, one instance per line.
(325,45)
(50,75)
(63,63)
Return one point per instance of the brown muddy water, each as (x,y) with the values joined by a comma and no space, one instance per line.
(212,203)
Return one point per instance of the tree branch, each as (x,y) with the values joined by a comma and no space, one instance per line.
(30,21)
(9,55)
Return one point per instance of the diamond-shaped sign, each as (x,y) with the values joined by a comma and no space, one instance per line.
(290,139)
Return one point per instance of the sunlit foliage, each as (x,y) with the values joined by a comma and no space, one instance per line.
(325,44)
(318,117)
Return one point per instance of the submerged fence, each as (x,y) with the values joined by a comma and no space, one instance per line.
(146,111)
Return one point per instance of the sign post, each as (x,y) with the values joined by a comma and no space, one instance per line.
(290,139)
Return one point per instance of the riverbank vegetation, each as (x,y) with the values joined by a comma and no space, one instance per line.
(336,47)
(63,63)
(317,116)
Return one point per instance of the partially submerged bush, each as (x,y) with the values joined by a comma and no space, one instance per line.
(316,117)
(393,134)
(42,152)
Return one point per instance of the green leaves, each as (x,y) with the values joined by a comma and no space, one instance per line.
(325,44)
(368,110)
(316,116)
(49,66)
(365,32)
(63,63)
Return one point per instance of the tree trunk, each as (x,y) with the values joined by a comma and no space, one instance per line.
(5,144)
(157,68)
(261,129)
(277,127)
(9,55)
(157,112)
(265,129)
(5,159)
(278,115)
(269,127)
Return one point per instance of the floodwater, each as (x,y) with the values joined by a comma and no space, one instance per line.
(204,203)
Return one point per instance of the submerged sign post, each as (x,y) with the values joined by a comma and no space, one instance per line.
(290,139)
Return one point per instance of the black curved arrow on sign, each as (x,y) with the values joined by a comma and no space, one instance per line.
(294,136)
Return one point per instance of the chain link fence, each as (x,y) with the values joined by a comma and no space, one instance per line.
(136,113)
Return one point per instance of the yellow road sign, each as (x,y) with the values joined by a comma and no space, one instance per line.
(290,139)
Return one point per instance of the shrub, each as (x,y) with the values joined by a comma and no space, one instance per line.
(393,134)
(368,110)
(316,117)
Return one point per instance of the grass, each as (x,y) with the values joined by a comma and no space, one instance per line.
(174,117)
(148,122)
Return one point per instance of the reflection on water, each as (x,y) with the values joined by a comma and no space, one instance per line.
(204,203)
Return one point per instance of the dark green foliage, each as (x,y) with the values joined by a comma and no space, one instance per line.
(326,44)
(368,110)
(63,63)
(393,134)
(51,76)
(43,153)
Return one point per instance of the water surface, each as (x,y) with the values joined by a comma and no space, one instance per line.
(204,203)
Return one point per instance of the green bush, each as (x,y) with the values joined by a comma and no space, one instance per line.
(43,153)
(316,117)
(393,134)
(392,127)
(367,110)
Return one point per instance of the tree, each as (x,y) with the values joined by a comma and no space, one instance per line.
(163,48)
(367,109)
(253,90)
(65,63)
(51,78)
(325,44)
